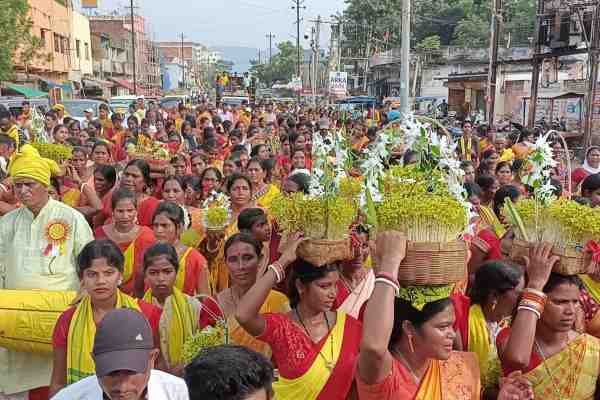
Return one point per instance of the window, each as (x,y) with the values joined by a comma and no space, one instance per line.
(43,37)
(78,48)
(56,43)
(87,51)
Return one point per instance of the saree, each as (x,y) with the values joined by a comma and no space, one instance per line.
(353,303)
(275,303)
(569,374)
(133,252)
(454,379)
(322,381)
(191,264)
(267,198)
(480,343)
(82,331)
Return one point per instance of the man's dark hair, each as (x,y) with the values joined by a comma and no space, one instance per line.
(228,373)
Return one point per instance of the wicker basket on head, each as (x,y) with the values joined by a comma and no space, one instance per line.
(572,260)
(433,263)
(320,252)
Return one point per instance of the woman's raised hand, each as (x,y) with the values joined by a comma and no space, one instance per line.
(539,265)
(389,251)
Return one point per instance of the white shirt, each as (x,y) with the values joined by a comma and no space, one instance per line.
(161,386)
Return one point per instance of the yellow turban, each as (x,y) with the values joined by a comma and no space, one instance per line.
(58,107)
(27,163)
(13,133)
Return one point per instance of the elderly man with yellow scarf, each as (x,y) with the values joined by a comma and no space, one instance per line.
(39,243)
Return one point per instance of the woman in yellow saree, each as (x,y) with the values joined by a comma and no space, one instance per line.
(263,193)
(182,315)
(243,256)
(410,355)
(100,268)
(314,348)
(559,362)
(239,189)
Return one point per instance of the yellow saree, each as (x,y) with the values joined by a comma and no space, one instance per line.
(454,379)
(275,303)
(310,385)
(570,374)
(82,331)
(264,201)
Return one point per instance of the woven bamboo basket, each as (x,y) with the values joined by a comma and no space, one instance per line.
(572,260)
(433,263)
(320,252)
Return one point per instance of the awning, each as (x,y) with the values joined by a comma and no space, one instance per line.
(97,83)
(27,91)
(124,83)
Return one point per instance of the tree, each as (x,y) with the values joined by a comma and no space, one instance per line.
(282,66)
(18,43)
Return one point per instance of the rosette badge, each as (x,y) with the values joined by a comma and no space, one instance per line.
(216,212)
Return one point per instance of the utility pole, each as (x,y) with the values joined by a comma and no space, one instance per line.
(133,49)
(298,5)
(317,58)
(259,58)
(182,63)
(535,76)
(594,48)
(493,67)
(368,52)
(270,36)
(405,63)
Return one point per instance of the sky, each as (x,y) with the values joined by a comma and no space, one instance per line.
(229,22)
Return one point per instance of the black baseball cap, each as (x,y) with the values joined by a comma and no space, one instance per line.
(123,342)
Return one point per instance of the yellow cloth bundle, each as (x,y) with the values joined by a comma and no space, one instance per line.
(27,318)
(27,163)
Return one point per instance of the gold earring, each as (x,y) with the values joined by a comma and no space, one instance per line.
(411,345)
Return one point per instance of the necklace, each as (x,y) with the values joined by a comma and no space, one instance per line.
(260,193)
(403,360)
(328,363)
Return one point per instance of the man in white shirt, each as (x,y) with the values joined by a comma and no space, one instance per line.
(124,355)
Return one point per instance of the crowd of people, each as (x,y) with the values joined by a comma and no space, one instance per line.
(128,234)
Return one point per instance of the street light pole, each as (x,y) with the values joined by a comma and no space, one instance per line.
(270,36)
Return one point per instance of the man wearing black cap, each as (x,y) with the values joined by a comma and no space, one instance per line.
(124,354)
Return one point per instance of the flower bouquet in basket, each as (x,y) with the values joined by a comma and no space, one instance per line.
(210,336)
(216,212)
(572,228)
(426,201)
(327,212)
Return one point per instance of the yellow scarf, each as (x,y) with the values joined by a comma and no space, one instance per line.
(466,148)
(570,374)
(431,387)
(82,331)
(180,278)
(309,385)
(179,321)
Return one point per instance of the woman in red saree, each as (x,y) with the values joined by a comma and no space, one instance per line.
(314,348)
(132,239)
(192,271)
(136,177)
(409,356)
